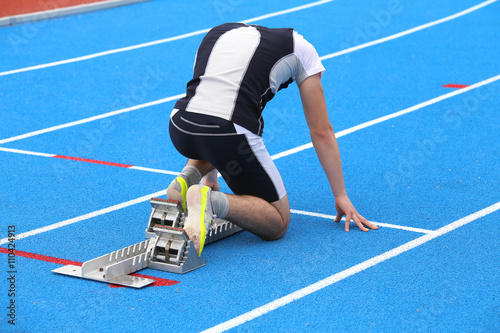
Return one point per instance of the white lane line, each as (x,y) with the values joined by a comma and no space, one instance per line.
(25,152)
(101,54)
(84,217)
(156,42)
(401,227)
(166,172)
(113,113)
(386,225)
(34,153)
(87,120)
(349,272)
(409,31)
(287,11)
(392,115)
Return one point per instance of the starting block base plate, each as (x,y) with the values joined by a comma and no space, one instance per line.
(123,280)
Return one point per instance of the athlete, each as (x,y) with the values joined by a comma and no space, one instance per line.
(218,127)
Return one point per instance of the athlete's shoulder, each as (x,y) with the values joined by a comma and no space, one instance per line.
(308,57)
(301,45)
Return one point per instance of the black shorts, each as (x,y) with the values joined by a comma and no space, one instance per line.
(238,154)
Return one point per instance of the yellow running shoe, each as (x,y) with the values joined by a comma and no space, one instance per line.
(200,215)
(177,191)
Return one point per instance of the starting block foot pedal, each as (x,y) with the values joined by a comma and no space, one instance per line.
(173,251)
(169,214)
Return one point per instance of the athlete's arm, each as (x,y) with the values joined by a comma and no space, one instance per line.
(325,144)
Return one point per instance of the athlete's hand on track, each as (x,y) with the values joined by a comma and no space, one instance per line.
(344,207)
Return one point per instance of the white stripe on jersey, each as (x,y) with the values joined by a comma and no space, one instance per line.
(256,143)
(224,73)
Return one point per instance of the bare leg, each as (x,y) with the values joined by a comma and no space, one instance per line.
(204,166)
(210,180)
(269,221)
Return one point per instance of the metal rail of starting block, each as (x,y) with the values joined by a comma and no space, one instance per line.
(167,248)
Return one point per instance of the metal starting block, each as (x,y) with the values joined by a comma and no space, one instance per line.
(169,214)
(167,248)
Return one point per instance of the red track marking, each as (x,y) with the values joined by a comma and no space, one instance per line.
(41,257)
(92,161)
(456,86)
(158,283)
(17,7)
